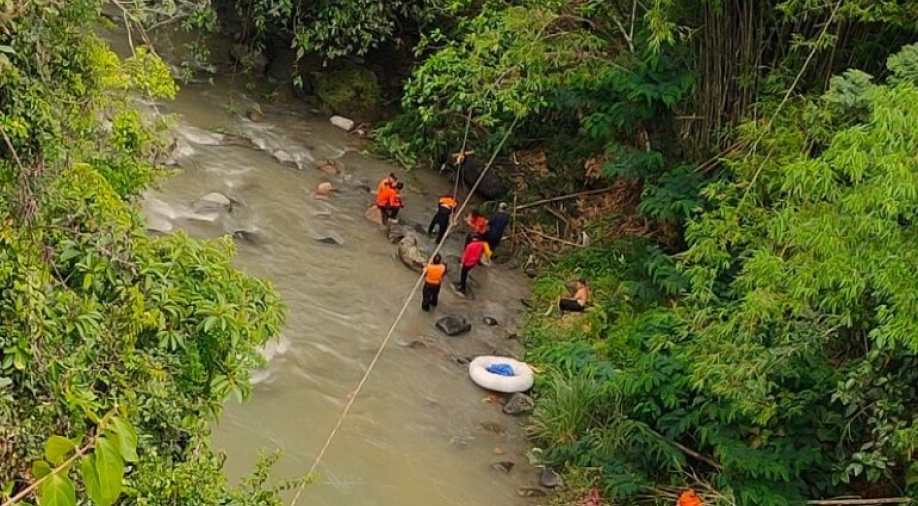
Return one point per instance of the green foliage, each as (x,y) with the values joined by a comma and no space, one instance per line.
(352,91)
(789,356)
(96,316)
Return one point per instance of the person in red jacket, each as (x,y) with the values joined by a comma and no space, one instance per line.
(471,257)
(478,225)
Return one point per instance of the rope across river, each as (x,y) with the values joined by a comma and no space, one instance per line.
(382,346)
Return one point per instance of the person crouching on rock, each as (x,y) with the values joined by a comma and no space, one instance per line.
(433,278)
(390,180)
(475,250)
(445,207)
(580,300)
(395,203)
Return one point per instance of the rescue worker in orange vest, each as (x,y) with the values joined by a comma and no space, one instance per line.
(395,203)
(689,498)
(433,278)
(445,207)
(478,225)
(390,180)
(383,198)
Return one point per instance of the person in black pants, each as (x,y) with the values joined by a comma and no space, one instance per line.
(580,300)
(445,207)
(433,278)
(496,226)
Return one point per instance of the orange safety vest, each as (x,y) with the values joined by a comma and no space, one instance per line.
(386,181)
(395,200)
(689,498)
(434,273)
(384,196)
(448,202)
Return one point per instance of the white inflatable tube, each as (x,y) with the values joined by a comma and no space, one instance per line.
(520,381)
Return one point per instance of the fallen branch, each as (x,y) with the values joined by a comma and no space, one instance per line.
(553,238)
(692,453)
(564,197)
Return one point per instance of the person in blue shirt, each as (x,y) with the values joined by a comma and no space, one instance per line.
(496,226)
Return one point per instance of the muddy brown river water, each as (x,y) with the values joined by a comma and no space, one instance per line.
(420,433)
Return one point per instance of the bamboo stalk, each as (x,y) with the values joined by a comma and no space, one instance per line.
(552,238)
(563,197)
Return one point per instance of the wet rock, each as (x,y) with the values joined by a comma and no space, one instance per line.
(490,321)
(461,360)
(499,451)
(396,232)
(549,478)
(249,236)
(518,404)
(504,466)
(530,492)
(491,186)
(493,427)
(454,325)
(324,190)
(248,57)
(330,240)
(213,202)
(329,167)
(255,114)
(159,224)
(417,227)
(415,343)
(410,253)
(341,122)
(373,214)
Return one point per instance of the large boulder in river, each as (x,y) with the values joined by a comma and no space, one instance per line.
(351,90)
(374,214)
(453,325)
(395,232)
(213,202)
(491,187)
(409,252)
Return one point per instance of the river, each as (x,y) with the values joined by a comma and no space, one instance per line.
(420,433)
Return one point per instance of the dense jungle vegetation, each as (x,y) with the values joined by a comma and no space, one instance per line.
(753,333)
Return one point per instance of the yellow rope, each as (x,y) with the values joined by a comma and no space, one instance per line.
(366,375)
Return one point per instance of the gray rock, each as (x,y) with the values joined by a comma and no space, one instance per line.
(343,123)
(549,478)
(410,253)
(213,202)
(493,427)
(330,240)
(159,224)
(504,466)
(249,236)
(490,321)
(395,232)
(452,325)
(530,492)
(249,58)
(491,186)
(519,404)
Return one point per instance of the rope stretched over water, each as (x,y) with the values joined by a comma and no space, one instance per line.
(366,375)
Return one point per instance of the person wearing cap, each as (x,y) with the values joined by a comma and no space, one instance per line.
(496,226)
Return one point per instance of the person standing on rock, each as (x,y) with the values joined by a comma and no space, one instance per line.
(395,203)
(433,278)
(383,197)
(445,207)
(496,226)
(478,225)
(390,180)
(471,257)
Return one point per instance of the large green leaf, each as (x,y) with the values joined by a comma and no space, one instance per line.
(40,469)
(57,448)
(103,472)
(56,490)
(127,439)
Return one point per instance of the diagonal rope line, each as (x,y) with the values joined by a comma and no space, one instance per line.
(366,375)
